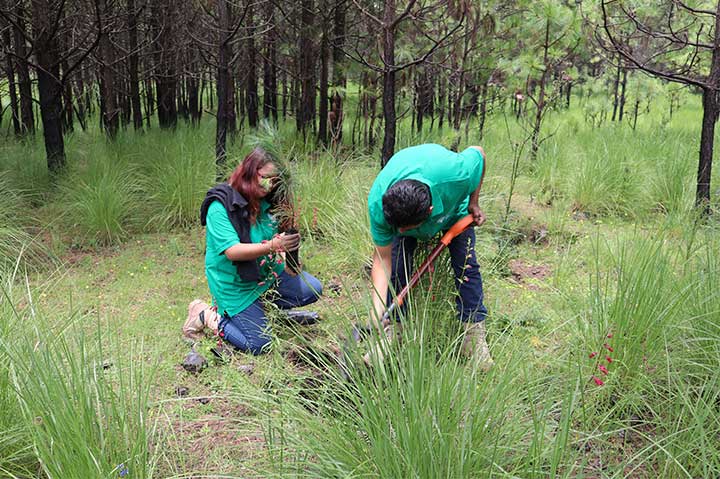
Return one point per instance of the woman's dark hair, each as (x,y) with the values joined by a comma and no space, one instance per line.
(244,179)
(406,203)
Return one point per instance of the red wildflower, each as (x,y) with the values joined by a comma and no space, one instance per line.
(598,381)
(609,359)
(608,347)
(609,335)
(602,368)
(593,354)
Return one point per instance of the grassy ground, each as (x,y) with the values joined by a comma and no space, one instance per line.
(595,256)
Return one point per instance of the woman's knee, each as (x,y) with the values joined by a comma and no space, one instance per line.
(312,288)
(259,345)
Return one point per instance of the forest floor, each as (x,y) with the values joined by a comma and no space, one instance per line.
(138,293)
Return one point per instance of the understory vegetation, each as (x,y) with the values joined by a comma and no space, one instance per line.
(601,281)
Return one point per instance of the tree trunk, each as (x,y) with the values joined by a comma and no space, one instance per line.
(388,98)
(108,107)
(483,110)
(251,80)
(623,85)
(338,57)
(226,107)
(149,101)
(324,72)
(10,73)
(165,77)
(133,66)
(27,116)
(616,94)
(306,110)
(707,139)
(49,86)
(194,99)
(270,104)
(535,142)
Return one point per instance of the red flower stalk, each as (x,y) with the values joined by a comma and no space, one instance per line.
(609,359)
(592,355)
(608,347)
(598,381)
(602,368)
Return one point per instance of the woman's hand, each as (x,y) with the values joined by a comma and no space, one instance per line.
(285,242)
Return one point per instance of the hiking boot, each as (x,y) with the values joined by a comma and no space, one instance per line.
(200,316)
(475,346)
(392,332)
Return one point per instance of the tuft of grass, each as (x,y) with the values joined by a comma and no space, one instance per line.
(100,203)
(176,182)
(86,410)
(16,454)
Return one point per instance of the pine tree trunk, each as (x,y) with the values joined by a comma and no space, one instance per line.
(27,115)
(108,107)
(49,88)
(622,95)
(225,88)
(251,80)
(10,73)
(133,66)
(388,98)
(483,110)
(306,110)
(270,105)
(324,72)
(165,77)
(535,141)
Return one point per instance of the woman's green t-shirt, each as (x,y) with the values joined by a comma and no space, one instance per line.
(230,293)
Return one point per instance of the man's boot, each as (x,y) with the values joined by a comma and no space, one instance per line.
(475,346)
(200,316)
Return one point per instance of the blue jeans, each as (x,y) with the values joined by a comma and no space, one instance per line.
(249,331)
(468,279)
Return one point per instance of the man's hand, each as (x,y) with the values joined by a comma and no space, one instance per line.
(477,214)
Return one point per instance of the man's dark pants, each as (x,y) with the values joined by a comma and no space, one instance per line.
(468,279)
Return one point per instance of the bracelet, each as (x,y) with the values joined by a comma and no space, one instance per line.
(272,249)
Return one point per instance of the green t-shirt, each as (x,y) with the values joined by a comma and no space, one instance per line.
(451,177)
(229,291)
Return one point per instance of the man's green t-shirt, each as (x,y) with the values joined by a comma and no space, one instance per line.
(229,291)
(451,177)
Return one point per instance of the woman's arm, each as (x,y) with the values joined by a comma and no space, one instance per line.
(248,251)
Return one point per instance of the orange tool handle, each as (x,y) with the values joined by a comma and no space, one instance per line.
(461,225)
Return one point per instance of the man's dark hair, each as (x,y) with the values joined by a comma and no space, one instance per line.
(406,203)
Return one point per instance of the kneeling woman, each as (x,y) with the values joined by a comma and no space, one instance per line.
(243,257)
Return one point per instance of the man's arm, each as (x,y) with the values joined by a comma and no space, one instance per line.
(380,272)
(473,204)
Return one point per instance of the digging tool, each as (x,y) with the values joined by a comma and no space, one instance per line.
(359,332)
(460,226)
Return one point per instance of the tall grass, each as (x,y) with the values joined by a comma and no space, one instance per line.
(87,411)
(100,204)
(16,455)
(68,407)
